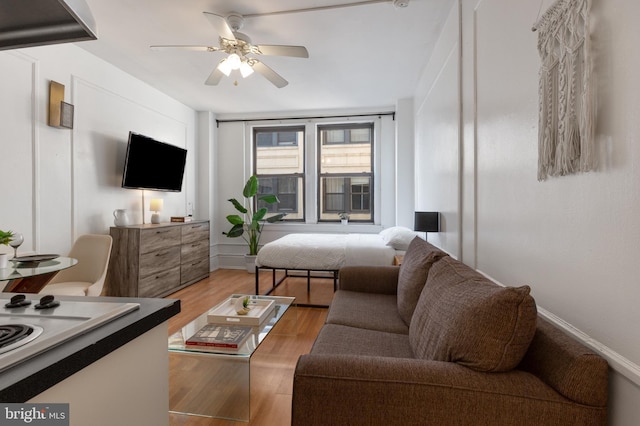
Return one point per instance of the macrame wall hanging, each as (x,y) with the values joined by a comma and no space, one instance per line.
(566,110)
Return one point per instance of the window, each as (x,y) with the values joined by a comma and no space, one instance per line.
(279,166)
(334,175)
(345,175)
(276,138)
(285,188)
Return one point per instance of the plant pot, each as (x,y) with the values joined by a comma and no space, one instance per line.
(344,221)
(250,263)
(4,260)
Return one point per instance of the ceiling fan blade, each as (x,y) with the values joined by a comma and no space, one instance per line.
(220,24)
(276,50)
(214,78)
(270,74)
(185,47)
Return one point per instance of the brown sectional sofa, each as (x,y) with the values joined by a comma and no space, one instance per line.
(436,343)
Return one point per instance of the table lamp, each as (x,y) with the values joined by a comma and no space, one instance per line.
(155,205)
(426,222)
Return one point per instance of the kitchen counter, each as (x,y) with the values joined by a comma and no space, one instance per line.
(24,381)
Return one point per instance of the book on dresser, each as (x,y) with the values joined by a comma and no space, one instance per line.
(181,219)
(220,336)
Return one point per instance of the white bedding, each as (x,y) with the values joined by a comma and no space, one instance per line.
(325,252)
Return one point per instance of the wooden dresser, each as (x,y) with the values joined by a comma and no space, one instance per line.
(156,260)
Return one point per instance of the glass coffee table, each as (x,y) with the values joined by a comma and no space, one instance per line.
(215,382)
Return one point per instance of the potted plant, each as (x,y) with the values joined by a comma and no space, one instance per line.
(242,305)
(344,217)
(5,238)
(249,223)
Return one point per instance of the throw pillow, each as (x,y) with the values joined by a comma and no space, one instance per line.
(463,317)
(398,237)
(413,274)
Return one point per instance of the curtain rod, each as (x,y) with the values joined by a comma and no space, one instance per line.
(305,118)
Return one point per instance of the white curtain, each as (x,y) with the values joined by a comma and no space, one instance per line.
(566,103)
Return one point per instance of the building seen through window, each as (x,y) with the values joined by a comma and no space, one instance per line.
(279,166)
(346,171)
(344,174)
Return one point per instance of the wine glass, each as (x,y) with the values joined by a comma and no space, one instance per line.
(16,241)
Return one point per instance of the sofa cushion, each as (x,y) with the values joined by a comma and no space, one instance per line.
(335,339)
(413,275)
(366,310)
(465,318)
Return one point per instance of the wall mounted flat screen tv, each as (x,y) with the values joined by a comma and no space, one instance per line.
(151,164)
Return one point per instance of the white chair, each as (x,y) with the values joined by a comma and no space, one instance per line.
(87,277)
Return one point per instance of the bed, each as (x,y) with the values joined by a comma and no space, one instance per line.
(322,255)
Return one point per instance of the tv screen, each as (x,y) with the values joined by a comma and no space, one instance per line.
(150,164)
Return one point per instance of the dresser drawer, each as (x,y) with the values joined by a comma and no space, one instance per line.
(159,260)
(194,271)
(196,250)
(160,283)
(195,232)
(154,239)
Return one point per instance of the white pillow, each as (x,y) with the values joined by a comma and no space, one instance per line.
(398,237)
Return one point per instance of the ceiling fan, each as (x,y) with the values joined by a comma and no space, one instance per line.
(241,53)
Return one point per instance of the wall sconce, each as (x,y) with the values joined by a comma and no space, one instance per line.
(60,112)
(426,222)
(155,205)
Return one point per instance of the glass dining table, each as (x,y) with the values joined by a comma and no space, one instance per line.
(31,277)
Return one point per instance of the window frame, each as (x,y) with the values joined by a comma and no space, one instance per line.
(301,176)
(321,194)
(383,155)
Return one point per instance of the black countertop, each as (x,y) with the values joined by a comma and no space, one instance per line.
(33,376)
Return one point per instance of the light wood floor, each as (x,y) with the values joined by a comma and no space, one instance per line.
(274,361)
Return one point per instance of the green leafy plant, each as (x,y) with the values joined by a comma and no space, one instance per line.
(249,224)
(344,215)
(5,237)
(245,309)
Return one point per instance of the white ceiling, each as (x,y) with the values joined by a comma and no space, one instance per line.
(364,56)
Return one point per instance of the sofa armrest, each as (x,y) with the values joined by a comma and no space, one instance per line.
(369,279)
(364,390)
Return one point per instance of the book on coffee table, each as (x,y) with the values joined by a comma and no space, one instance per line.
(220,336)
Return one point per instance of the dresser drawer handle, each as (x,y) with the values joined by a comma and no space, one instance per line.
(196,226)
(162,232)
(161,254)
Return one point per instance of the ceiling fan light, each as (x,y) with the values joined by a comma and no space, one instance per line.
(225,67)
(245,69)
(234,61)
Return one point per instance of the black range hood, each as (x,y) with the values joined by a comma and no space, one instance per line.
(26,23)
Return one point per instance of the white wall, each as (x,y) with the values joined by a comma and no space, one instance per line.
(573,239)
(437,163)
(404,167)
(60,183)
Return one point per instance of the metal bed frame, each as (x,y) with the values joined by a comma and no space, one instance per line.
(275,284)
